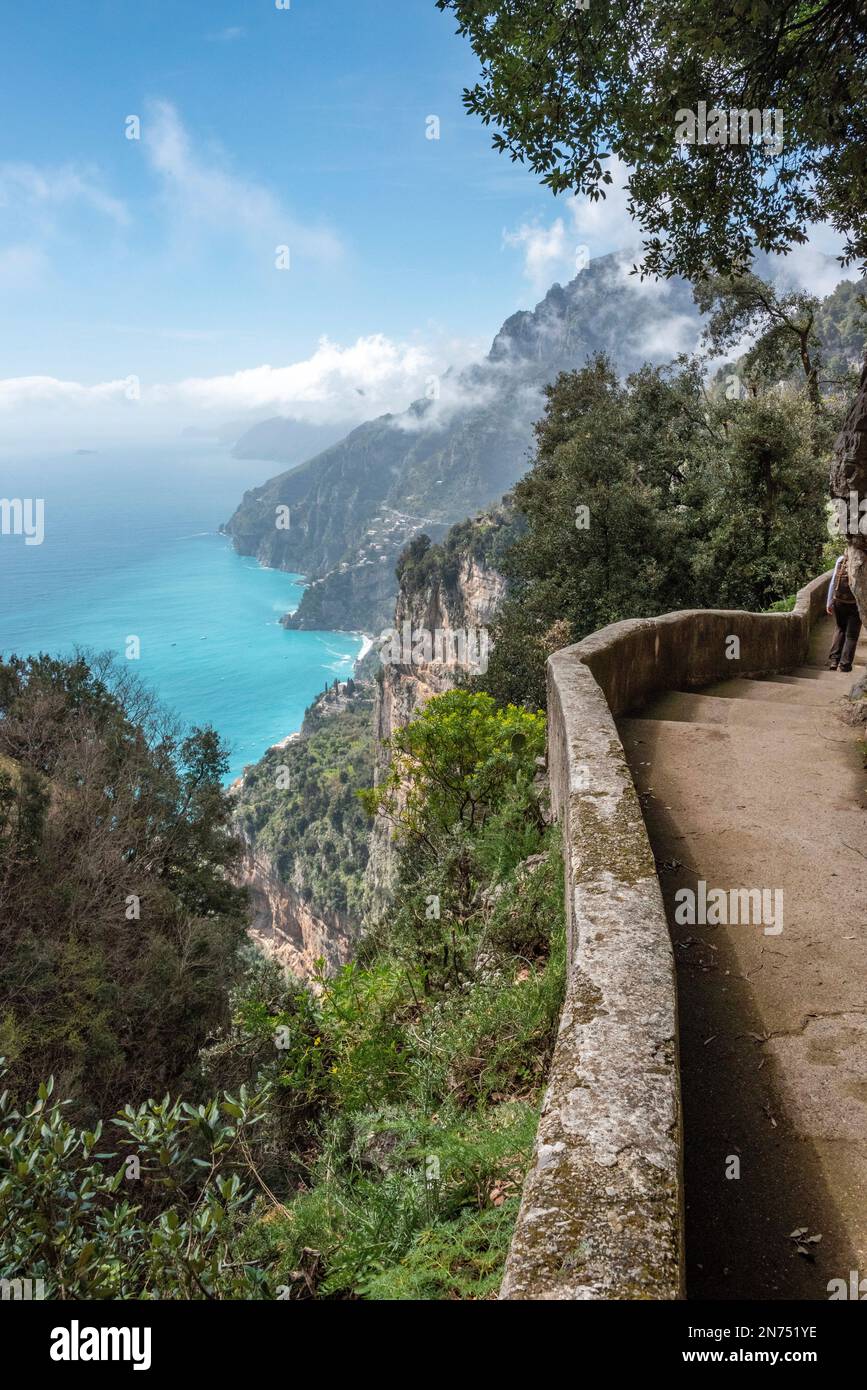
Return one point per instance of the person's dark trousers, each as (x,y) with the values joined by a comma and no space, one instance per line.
(848,622)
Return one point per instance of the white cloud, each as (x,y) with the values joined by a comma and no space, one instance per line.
(369,377)
(353,383)
(546,251)
(442,398)
(586,229)
(812,266)
(229,35)
(201,192)
(22,391)
(24,186)
(671,334)
(604,223)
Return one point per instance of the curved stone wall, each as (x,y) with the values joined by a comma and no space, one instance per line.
(602,1208)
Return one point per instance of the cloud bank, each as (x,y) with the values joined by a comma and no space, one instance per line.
(337,384)
(589,228)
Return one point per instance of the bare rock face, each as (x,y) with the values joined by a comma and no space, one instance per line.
(285,928)
(848,477)
(468,604)
(849,469)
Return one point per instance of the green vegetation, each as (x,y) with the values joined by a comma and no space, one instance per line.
(484,538)
(119,925)
(653,495)
(841,327)
(411,1081)
(299,805)
(568,87)
(799,340)
(150,1210)
(372,1133)
(366,1135)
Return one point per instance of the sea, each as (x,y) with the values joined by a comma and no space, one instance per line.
(132,550)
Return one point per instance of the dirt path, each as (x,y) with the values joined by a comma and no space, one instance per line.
(758,785)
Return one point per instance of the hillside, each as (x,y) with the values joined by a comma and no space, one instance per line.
(452,586)
(305,833)
(353,507)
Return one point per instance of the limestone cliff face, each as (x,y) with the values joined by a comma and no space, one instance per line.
(305,833)
(849,482)
(285,928)
(466,605)
(452,590)
(849,467)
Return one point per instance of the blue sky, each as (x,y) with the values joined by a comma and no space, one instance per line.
(138,285)
(259,128)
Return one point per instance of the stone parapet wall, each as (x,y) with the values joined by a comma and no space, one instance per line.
(602,1208)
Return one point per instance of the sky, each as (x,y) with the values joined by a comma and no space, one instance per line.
(282,237)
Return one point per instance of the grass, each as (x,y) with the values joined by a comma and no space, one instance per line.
(429,1112)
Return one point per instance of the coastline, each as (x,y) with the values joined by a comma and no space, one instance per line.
(284,742)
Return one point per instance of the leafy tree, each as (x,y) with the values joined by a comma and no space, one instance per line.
(610,503)
(786,326)
(119,923)
(157,1217)
(453,765)
(568,87)
(766,524)
(649,496)
(460,790)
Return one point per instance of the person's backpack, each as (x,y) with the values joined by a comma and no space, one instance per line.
(843,591)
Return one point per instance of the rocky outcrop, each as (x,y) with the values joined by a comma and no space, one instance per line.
(849,482)
(285,928)
(451,589)
(849,467)
(355,597)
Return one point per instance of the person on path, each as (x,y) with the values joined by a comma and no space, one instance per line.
(844,610)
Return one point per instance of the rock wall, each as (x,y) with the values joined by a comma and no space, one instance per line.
(602,1209)
(305,834)
(284,927)
(849,481)
(467,601)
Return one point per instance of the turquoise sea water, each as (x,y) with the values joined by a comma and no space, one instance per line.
(131,549)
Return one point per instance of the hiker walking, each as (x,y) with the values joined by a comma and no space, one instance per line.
(844,610)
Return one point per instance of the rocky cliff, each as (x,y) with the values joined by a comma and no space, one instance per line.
(306,833)
(453,589)
(314,866)
(286,928)
(849,484)
(348,513)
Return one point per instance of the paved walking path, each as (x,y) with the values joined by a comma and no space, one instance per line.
(758,784)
